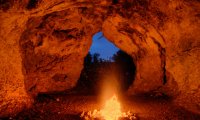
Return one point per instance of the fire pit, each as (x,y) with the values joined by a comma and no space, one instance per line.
(110,111)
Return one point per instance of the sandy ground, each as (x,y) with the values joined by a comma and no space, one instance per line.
(69,107)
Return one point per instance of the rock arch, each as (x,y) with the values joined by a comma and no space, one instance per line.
(47,43)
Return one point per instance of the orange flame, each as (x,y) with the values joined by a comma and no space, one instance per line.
(112,109)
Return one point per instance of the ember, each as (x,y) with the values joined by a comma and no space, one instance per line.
(111,111)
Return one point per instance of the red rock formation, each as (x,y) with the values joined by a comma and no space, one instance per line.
(163,38)
(43,44)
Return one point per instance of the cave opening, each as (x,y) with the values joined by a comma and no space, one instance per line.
(105,64)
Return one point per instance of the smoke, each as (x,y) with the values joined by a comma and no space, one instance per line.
(109,83)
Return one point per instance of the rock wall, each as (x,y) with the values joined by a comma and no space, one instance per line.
(43,44)
(164,40)
(183,47)
(43,48)
(13,97)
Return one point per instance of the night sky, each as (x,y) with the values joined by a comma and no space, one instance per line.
(102,46)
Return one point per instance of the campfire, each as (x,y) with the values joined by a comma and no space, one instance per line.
(110,111)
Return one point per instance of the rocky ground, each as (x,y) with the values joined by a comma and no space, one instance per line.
(69,107)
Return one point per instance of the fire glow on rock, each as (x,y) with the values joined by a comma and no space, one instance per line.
(110,111)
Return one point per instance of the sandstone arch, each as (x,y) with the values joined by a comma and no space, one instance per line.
(46,44)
